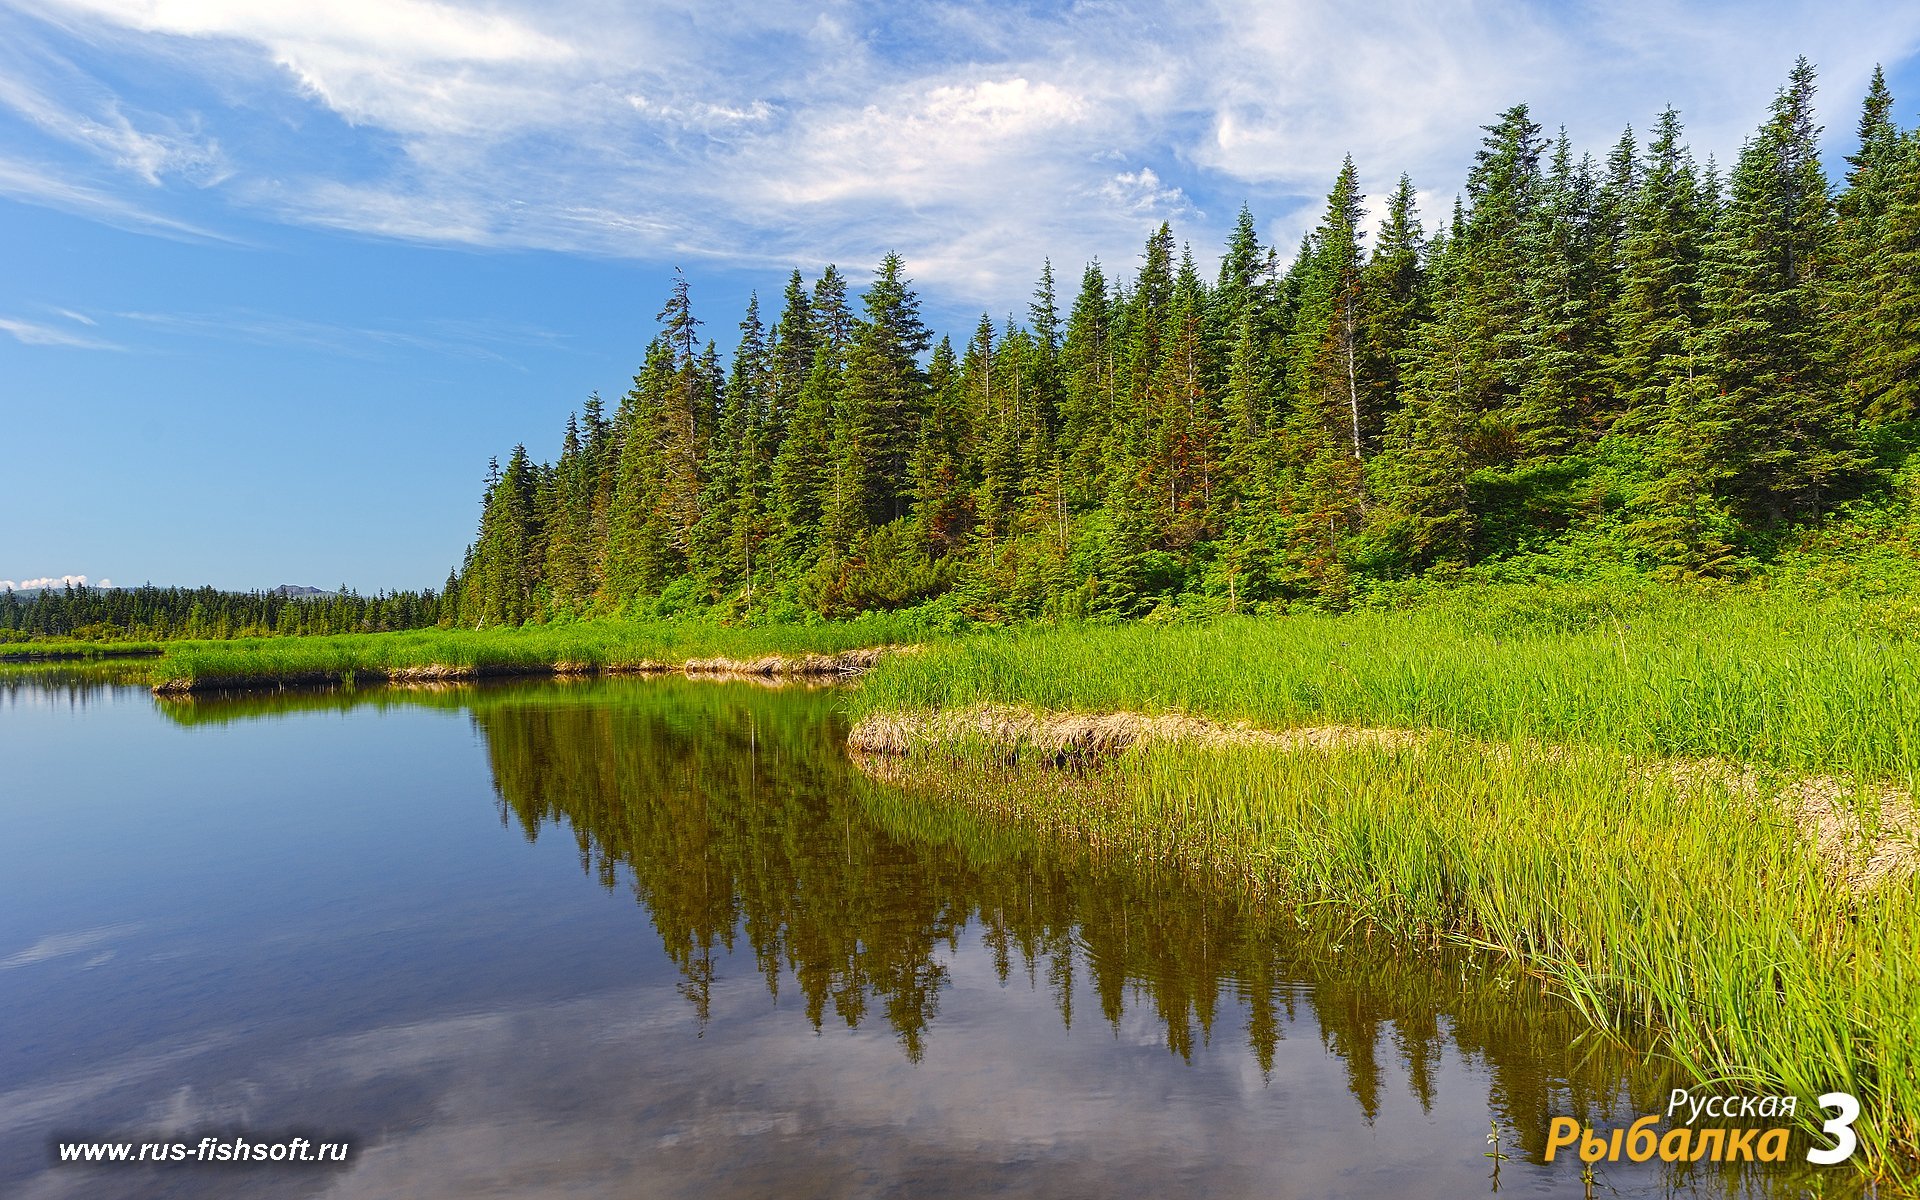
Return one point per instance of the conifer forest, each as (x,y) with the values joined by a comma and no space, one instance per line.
(1639,358)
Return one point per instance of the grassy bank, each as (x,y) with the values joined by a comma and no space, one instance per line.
(1528,821)
(535,649)
(1769,679)
(59,651)
(1689,914)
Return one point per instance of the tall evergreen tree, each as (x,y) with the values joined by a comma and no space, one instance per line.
(1087,365)
(1495,248)
(1394,303)
(1659,310)
(1790,446)
(885,394)
(1873,283)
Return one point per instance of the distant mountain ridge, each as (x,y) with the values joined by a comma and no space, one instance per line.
(294,589)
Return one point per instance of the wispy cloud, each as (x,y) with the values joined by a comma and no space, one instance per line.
(973,141)
(486,340)
(53,188)
(32,333)
(84,116)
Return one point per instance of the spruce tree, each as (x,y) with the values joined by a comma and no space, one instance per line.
(1495,247)
(1873,285)
(1563,391)
(1659,310)
(1887,366)
(885,395)
(1791,447)
(1087,387)
(941,478)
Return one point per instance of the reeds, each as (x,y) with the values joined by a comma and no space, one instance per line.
(1763,680)
(1691,915)
(1535,820)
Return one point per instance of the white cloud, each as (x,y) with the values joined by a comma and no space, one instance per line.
(43,185)
(50,581)
(108,133)
(32,333)
(77,318)
(1141,193)
(974,142)
(402,64)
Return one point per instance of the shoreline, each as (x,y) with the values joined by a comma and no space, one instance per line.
(1864,852)
(844,664)
(84,654)
(1659,895)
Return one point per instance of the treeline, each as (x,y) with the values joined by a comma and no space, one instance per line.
(1632,359)
(110,614)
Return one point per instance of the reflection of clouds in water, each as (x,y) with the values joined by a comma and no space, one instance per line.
(64,945)
(623,1091)
(44,1105)
(614,1093)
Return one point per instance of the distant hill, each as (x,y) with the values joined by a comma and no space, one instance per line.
(294,589)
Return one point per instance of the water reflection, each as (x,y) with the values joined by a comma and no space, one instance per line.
(861,991)
(735,816)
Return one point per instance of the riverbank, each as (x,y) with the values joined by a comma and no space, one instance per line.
(1694,819)
(587,648)
(765,666)
(1867,836)
(1474,769)
(39,652)
(1688,908)
(1765,679)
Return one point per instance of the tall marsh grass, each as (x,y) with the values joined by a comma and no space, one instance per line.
(1531,823)
(1768,680)
(1693,917)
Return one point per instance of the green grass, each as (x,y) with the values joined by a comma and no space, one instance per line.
(599,644)
(1699,917)
(67,650)
(1527,826)
(1768,679)
(1697,920)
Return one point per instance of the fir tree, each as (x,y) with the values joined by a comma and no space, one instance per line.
(1659,310)
(885,395)
(1790,447)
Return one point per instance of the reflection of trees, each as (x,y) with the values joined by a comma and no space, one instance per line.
(728,807)
(736,816)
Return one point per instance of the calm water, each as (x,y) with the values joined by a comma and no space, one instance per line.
(658,938)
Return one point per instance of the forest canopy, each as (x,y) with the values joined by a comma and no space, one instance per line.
(1635,360)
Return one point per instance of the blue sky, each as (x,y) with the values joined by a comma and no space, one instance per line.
(276,279)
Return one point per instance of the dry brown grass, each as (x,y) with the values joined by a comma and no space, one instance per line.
(1064,738)
(847,662)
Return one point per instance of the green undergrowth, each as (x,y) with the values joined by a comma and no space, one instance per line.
(1699,920)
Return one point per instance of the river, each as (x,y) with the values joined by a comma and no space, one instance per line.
(653,937)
